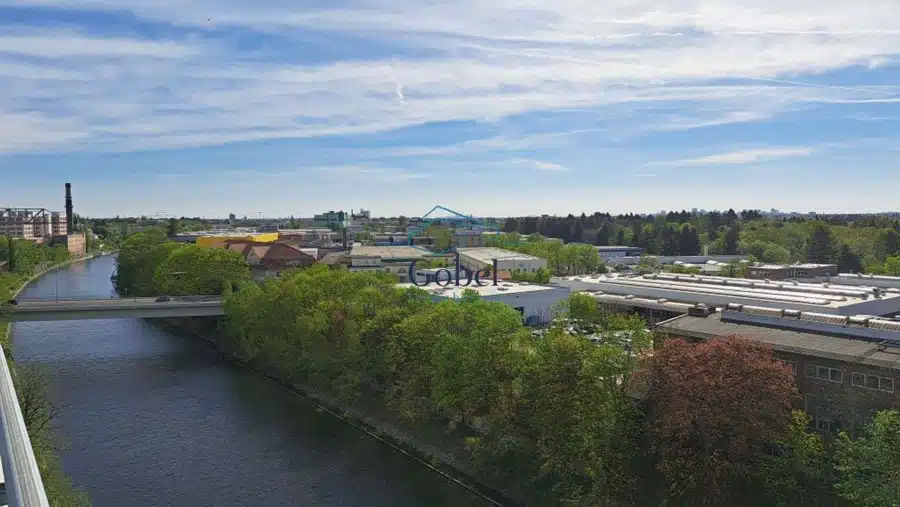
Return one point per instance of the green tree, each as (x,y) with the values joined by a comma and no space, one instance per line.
(821,247)
(173,227)
(688,240)
(796,473)
(730,240)
(847,261)
(195,270)
(869,467)
(620,237)
(888,244)
(604,234)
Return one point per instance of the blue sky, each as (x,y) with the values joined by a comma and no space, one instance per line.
(496,108)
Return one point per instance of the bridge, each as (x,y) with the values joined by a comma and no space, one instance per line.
(121,308)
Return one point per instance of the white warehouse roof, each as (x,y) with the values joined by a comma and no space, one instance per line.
(720,291)
(488,254)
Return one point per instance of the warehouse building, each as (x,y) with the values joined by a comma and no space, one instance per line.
(846,368)
(538,304)
(719,291)
(787,271)
(882,281)
(394,260)
(475,259)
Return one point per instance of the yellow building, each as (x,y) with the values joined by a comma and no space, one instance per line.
(218,241)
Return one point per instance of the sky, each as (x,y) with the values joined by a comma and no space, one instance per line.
(493,108)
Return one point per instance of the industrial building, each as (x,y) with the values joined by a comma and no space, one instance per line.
(467,238)
(788,271)
(394,260)
(475,259)
(538,304)
(885,282)
(632,260)
(608,253)
(719,292)
(846,367)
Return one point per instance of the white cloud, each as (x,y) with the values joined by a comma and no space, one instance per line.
(59,44)
(713,64)
(365,175)
(738,157)
(542,165)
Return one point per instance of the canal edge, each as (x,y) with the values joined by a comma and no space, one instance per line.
(401,443)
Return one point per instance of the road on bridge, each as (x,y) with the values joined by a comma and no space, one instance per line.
(113,308)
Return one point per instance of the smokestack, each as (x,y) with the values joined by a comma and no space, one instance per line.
(70,214)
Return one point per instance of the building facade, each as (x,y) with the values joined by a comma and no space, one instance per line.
(843,373)
(333,219)
(475,259)
(785,272)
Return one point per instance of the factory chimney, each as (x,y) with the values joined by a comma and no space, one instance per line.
(70,214)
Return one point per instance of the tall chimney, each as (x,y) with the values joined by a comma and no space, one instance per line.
(70,214)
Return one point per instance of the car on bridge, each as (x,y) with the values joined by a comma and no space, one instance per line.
(163,299)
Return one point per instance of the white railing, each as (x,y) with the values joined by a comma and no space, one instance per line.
(24,487)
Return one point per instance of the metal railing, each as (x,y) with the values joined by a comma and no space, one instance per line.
(24,487)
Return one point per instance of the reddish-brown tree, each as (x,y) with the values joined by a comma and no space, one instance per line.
(713,409)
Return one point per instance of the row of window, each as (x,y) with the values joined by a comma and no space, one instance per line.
(835,375)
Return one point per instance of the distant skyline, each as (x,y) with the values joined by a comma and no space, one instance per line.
(503,108)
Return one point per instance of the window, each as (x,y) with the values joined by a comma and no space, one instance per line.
(873,382)
(825,373)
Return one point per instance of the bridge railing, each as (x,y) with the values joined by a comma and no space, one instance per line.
(23,484)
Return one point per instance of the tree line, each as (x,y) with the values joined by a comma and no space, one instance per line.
(556,419)
(857,243)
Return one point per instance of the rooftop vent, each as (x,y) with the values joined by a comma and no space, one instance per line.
(824,318)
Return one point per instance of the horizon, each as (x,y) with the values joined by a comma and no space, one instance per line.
(514,109)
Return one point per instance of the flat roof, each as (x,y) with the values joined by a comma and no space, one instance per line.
(390,252)
(694,288)
(785,340)
(615,248)
(487,254)
(502,288)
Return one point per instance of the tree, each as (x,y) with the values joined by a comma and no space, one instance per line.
(709,437)
(848,262)
(869,467)
(620,237)
(293,223)
(689,240)
(796,473)
(730,241)
(174,227)
(604,234)
(196,270)
(821,247)
(12,264)
(888,244)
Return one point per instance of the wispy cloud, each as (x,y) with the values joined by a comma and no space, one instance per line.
(371,174)
(737,157)
(413,64)
(540,165)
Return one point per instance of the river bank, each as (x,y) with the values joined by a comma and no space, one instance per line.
(433,445)
(58,486)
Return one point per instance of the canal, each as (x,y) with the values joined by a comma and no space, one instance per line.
(151,419)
